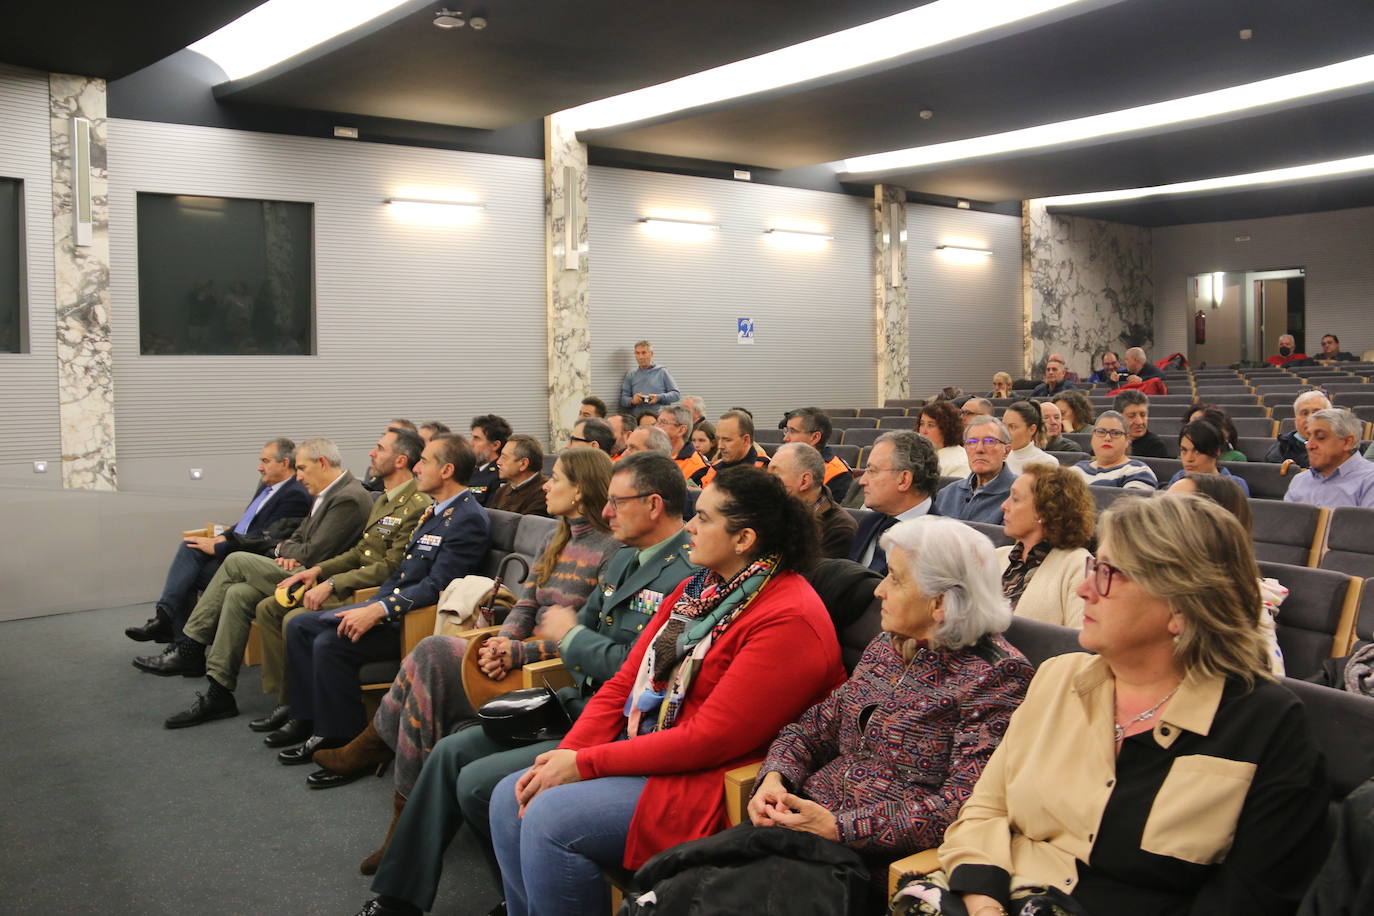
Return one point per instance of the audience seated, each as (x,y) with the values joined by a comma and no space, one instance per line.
(374,484)
(224,613)
(1109,466)
(902,476)
(591,407)
(1338,475)
(1292,445)
(697,405)
(431,429)
(1288,352)
(940,423)
(489,434)
(704,440)
(647,387)
(802,472)
(1055,381)
(811,425)
(1050,515)
(325,649)
(1167,773)
(735,442)
(1027,431)
(1331,349)
(1139,367)
(1219,418)
(279,502)
(644,509)
(648,439)
(974,407)
(1053,418)
(522,478)
(592,433)
(675,422)
(1135,408)
(1076,410)
(979,496)
(1001,385)
(648,418)
(694,701)
(621,424)
(883,764)
(1110,372)
(1199,448)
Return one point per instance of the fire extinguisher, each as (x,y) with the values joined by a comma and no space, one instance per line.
(1200,328)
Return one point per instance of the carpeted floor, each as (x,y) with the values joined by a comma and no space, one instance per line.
(108,812)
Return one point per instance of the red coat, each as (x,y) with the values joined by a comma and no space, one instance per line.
(775,661)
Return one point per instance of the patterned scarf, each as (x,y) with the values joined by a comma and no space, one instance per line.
(709,604)
(1021,565)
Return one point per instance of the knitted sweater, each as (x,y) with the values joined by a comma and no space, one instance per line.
(579,567)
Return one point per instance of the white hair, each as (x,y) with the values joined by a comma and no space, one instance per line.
(1297,402)
(983,419)
(1342,422)
(951,559)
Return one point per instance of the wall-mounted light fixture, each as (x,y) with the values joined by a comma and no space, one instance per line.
(431,212)
(685,230)
(797,239)
(964,254)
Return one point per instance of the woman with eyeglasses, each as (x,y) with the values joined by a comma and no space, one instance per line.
(1049,514)
(941,424)
(1200,447)
(1165,774)
(1027,430)
(1109,466)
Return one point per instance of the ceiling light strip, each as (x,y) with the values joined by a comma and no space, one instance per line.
(1316,170)
(799,232)
(928,26)
(1273,91)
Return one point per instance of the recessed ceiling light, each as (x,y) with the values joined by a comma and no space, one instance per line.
(1246,34)
(450,19)
(926,114)
(1288,88)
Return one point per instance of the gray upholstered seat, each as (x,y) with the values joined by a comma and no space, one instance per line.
(1316,620)
(1286,532)
(1350,542)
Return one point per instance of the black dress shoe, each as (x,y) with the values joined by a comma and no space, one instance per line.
(208,707)
(186,659)
(376,907)
(157,629)
(298,756)
(293,731)
(273,720)
(328,779)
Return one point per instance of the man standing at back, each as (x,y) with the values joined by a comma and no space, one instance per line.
(902,473)
(649,386)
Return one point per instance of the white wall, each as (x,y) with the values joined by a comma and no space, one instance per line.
(814,310)
(1336,248)
(424,322)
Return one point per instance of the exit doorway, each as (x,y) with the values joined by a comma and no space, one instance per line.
(1238,316)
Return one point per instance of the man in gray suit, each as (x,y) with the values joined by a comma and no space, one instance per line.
(340,509)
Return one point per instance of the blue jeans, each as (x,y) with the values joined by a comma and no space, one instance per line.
(551,859)
(190,572)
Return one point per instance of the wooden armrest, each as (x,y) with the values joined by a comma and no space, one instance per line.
(415,626)
(479,631)
(739,785)
(364,594)
(206,532)
(920,863)
(550,672)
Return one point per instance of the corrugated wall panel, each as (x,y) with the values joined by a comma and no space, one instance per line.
(29,380)
(424,322)
(813,310)
(965,317)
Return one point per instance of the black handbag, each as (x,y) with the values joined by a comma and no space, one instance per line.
(525,716)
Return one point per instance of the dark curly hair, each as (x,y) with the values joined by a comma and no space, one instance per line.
(754,498)
(1063,503)
(946,417)
(1218,417)
(1079,405)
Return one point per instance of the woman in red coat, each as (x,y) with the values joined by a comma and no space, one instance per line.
(735,653)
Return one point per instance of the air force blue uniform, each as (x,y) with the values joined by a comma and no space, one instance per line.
(323,667)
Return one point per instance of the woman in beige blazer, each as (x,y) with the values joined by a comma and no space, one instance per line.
(1049,513)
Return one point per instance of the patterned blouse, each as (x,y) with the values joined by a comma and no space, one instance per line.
(895,750)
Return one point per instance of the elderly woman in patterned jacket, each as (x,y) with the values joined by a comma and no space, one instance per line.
(884,763)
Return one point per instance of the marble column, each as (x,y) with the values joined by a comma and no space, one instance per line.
(889,283)
(1089,287)
(85,370)
(569,317)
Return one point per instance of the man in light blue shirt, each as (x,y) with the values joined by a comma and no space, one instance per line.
(649,387)
(1338,475)
(979,496)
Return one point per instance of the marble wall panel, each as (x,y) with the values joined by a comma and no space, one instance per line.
(1089,287)
(890,294)
(569,318)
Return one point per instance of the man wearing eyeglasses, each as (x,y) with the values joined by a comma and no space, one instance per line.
(902,473)
(975,407)
(676,423)
(592,433)
(979,496)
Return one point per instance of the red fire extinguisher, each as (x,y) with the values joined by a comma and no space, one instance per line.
(1200,328)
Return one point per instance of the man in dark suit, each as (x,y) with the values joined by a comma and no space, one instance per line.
(334,521)
(902,475)
(326,649)
(647,494)
(522,478)
(279,496)
(489,434)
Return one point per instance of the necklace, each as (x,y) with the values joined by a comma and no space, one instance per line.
(1119,730)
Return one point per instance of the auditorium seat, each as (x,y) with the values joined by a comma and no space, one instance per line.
(993,533)
(861,437)
(1266,481)
(1289,533)
(882,411)
(768,436)
(1347,398)
(897,423)
(1170,399)
(1258,427)
(1068,459)
(1085,440)
(1164,468)
(1105,496)
(1166,428)
(833,412)
(1246,410)
(1350,542)
(853,422)
(847,453)
(1281,411)
(689,505)
(1317,619)
(548,464)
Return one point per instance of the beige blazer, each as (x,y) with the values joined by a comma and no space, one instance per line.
(1050,596)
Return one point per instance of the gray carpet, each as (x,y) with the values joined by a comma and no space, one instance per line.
(108,812)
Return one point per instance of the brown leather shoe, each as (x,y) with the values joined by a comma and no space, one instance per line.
(370,864)
(366,752)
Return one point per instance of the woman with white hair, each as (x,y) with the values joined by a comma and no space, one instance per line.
(883,764)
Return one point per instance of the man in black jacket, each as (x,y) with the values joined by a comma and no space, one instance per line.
(278,504)
(1292,445)
(1135,407)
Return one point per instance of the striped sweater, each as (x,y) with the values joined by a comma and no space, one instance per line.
(1133,475)
(580,565)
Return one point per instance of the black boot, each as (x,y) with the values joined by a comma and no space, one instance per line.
(158,628)
(215,703)
(184,657)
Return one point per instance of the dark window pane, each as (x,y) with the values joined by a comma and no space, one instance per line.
(11,267)
(221,275)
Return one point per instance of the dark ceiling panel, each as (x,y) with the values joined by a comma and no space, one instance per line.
(110,38)
(1116,57)
(536,57)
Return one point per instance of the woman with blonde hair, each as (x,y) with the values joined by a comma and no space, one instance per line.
(1167,772)
(1001,386)
(1050,514)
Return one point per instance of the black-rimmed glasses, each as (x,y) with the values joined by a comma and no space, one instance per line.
(1100,573)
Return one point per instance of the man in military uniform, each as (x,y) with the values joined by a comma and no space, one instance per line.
(644,508)
(326,649)
(331,583)
(490,434)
